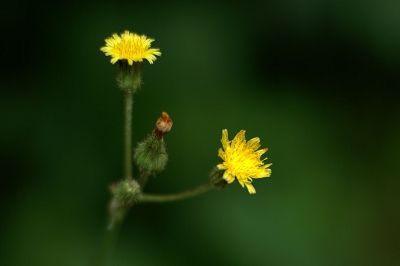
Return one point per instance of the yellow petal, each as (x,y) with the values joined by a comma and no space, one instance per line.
(250,188)
(228,178)
(238,140)
(221,154)
(263,173)
(253,144)
(221,166)
(224,139)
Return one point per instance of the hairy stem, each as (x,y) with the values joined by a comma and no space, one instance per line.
(143,179)
(128,136)
(153,198)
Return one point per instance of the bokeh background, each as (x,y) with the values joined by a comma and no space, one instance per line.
(317,81)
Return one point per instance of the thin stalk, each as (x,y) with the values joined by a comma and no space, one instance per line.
(128,135)
(153,198)
(129,79)
(143,179)
(118,212)
(106,248)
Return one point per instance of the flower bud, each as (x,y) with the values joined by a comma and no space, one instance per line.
(126,192)
(151,154)
(163,125)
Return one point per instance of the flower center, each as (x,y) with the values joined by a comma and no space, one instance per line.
(128,49)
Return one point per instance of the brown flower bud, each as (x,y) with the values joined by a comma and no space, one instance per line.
(163,125)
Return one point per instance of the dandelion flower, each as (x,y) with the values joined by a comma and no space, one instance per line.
(242,160)
(131,47)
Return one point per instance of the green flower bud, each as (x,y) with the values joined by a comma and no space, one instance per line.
(216,178)
(126,192)
(151,154)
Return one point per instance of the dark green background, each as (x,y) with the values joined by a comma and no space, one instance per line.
(317,81)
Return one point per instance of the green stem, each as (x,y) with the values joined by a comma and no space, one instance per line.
(117,211)
(128,135)
(106,248)
(129,79)
(152,198)
(143,179)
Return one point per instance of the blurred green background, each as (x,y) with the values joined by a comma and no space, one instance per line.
(317,81)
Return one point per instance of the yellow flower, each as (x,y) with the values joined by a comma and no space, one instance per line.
(131,47)
(242,160)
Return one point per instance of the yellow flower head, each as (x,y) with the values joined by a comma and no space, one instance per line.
(242,160)
(131,47)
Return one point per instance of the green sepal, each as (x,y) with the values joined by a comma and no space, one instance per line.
(216,178)
(129,77)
